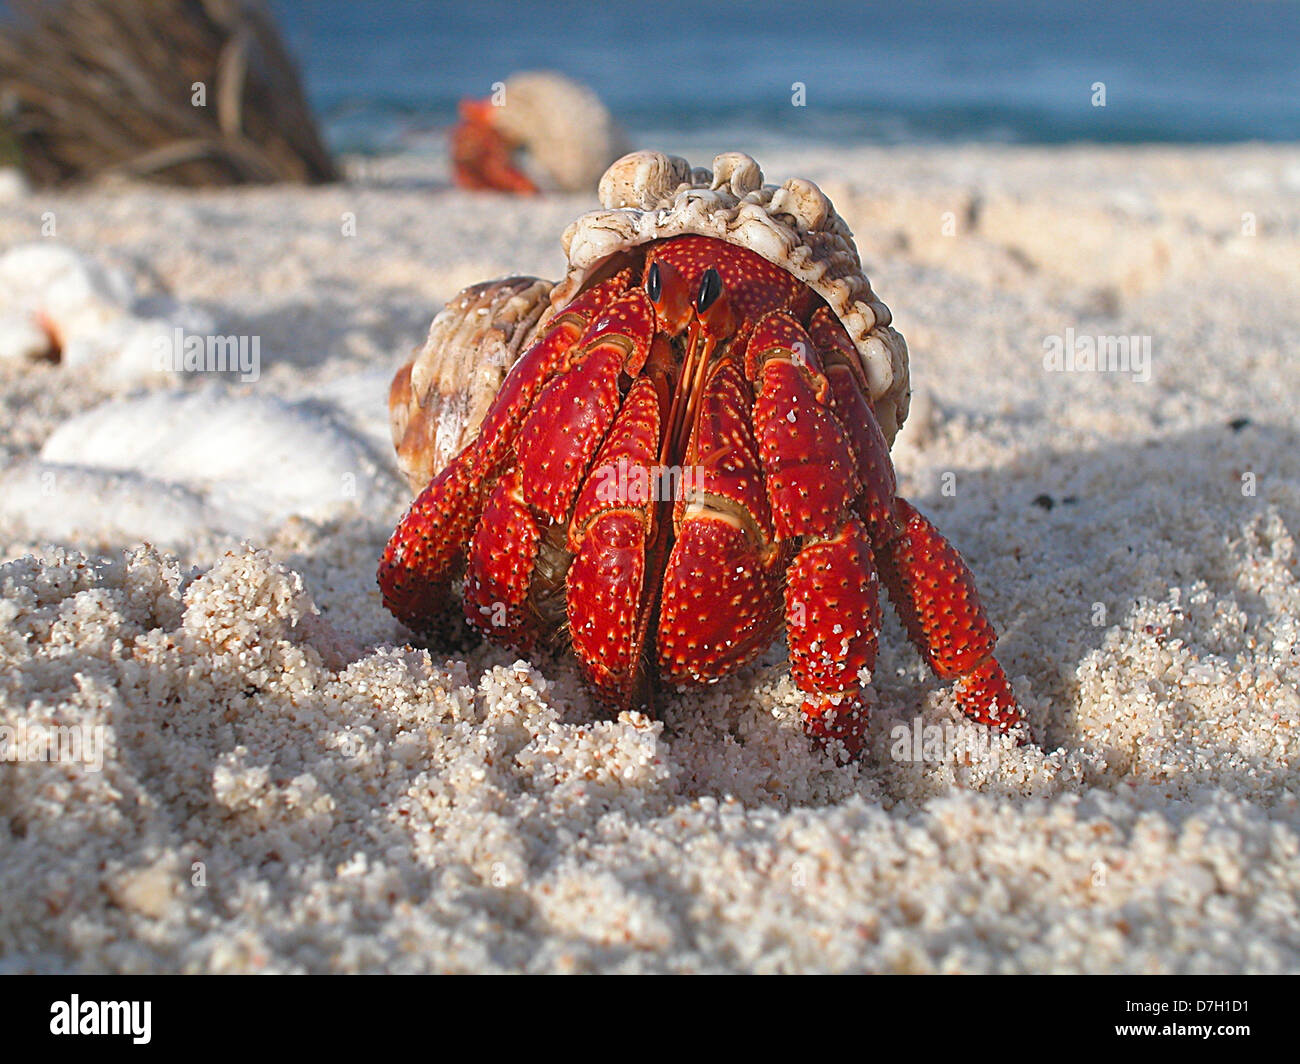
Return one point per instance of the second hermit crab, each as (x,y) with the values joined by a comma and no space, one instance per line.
(690,451)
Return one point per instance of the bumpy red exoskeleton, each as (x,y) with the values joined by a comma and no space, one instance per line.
(685,460)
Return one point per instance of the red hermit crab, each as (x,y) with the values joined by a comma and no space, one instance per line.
(691,451)
(538,131)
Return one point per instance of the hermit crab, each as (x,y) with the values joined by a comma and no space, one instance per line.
(538,131)
(689,451)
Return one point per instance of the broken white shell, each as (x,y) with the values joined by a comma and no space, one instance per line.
(145,467)
(62,305)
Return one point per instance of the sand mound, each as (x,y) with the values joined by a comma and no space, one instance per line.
(266,803)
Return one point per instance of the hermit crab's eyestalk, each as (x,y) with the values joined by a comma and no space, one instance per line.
(671,296)
(654,283)
(710,289)
(713,307)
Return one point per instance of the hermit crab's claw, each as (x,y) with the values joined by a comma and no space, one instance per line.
(482,156)
(724,575)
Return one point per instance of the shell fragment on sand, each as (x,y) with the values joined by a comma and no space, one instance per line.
(61,305)
(168,468)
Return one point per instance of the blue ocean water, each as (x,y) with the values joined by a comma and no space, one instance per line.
(385,74)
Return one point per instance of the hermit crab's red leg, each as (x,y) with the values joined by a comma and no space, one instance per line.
(615,539)
(934,594)
(555,447)
(723,578)
(843,369)
(424,553)
(502,554)
(832,623)
(418,563)
(537,367)
(832,600)
(930,585)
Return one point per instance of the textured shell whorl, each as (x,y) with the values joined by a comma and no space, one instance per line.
(438,399)
(649,196)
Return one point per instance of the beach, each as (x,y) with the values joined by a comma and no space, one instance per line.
(273,775)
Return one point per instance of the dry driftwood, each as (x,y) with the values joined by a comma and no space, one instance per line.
(97,87)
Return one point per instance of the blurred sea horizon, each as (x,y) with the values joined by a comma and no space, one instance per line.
(384,76)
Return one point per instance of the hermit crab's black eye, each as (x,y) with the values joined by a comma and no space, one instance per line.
(710,289)
(654,283)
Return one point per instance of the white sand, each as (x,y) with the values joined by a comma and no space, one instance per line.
(286,785)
